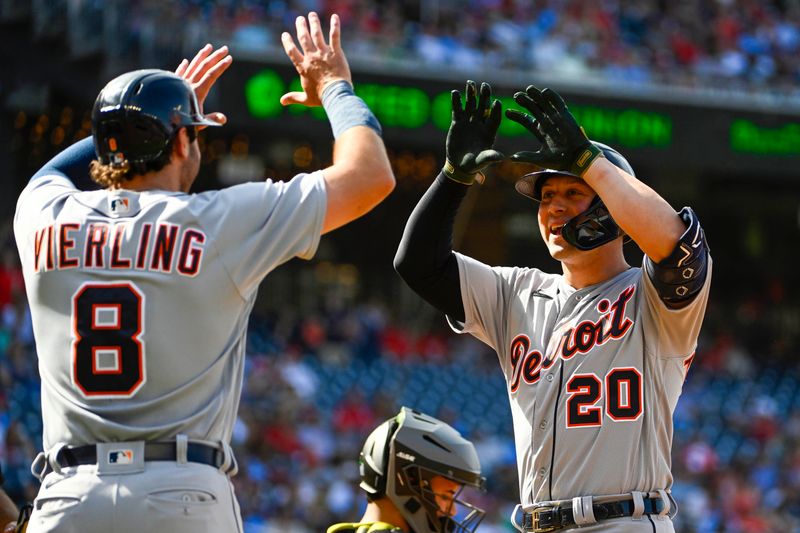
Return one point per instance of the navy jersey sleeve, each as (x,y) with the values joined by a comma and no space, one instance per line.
(72,163)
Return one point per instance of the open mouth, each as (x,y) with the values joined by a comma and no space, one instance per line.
(556,230)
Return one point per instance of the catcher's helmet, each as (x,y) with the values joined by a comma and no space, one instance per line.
(137,114)
(592,228)
(401,457)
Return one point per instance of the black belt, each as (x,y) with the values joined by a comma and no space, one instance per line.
(549,519)
(153,451)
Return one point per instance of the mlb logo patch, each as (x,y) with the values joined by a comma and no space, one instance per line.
(120,457)
(120,205)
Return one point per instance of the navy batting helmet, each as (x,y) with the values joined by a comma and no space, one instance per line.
(137,114)
(592,228)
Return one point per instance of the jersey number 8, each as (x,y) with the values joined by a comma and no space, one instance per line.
(107,350)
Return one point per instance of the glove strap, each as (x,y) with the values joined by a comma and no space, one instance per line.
(23,518)
(585,159)
(459,176)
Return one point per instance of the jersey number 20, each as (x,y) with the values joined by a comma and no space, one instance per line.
(107,350)
(623,397)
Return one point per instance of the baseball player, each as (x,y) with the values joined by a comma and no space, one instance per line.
(594,357)
(413,468)
(140,292)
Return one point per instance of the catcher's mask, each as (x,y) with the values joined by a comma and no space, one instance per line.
(137,114)
(400,460)
(592,228)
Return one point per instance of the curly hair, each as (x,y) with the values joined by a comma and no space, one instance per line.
(109,176)
(114,175)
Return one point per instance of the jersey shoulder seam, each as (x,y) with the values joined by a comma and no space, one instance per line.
(216,250)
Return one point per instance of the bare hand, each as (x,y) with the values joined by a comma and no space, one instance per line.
(11,527)
(319,64)
(203,71)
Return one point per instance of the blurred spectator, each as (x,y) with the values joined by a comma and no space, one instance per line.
(353,414)
(11,284)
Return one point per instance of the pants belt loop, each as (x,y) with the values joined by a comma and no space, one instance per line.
(181,449)
(515,515)
(638,505)
(39,466)
(582,511)
(229,465)
(667,503)
(52,457)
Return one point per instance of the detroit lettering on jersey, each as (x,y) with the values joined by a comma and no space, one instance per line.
(613,324)
(162,247)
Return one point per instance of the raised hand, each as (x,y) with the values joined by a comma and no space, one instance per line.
(203,71)
(472,133)
(564,144)
(319,64)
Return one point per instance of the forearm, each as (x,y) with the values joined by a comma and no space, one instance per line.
(8,511)
(73,162)
(639,210)
(360,176)
(425,258)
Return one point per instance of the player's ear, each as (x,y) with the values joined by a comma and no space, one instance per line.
(180,146)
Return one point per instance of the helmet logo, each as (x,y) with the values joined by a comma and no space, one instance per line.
(406,456)
(112,144)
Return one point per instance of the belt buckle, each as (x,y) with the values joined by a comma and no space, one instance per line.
(546,525)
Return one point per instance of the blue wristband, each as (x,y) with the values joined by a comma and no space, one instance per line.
(346,110)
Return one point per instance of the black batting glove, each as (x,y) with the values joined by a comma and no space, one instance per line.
(565,145)
(472,133)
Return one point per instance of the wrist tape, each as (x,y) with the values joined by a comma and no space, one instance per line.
(346,110)
(459,176)
(585,158)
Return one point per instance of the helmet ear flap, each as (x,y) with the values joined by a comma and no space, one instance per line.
(592,228)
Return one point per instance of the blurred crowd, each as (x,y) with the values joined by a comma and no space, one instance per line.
(318,382)
(728,45)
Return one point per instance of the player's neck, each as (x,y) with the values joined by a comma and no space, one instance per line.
(590,268)
(383,510)
(166,179)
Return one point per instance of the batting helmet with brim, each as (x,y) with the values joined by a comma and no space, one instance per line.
(591,228)
(530,185)
(137,114)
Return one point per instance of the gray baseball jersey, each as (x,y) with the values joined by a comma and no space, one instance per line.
(140,301)
(593,375)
